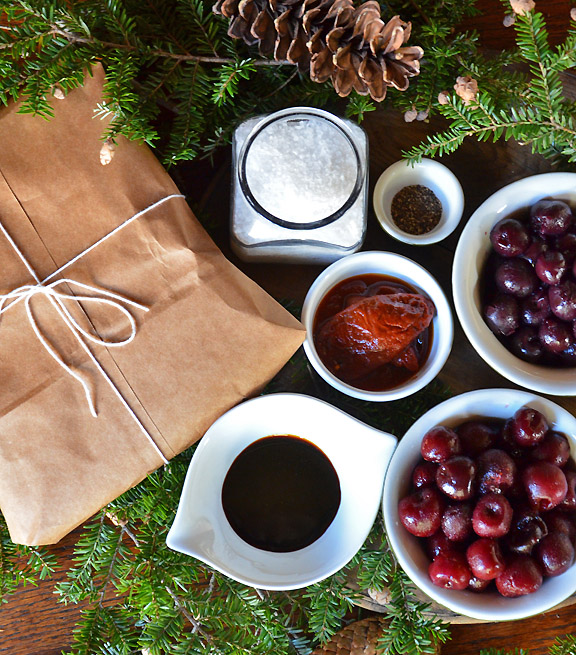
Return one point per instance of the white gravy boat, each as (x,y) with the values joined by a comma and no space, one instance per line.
(359,453)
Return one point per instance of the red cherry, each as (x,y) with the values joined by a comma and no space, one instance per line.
(545,484)
(485,559)
(439,444)
(555,554)
(492,516)
(477,436)
(421,512)
(424,475)
(529,427)
(478,585)
(554,448)
(569,503)
(457,521)
(450,572)
(496,471)
(439,544)
(456,477)
(522,576)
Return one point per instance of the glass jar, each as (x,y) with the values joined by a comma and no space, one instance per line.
(299,187)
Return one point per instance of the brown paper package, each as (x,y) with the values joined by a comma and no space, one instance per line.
(210,338)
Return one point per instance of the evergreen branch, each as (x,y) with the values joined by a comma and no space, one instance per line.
(565,645)
(525,130)
(193,622)
(537,115)
(412,630)
(328,601)
(163,40)
(74,39)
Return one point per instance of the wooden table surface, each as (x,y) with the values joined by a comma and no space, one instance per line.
(33,623)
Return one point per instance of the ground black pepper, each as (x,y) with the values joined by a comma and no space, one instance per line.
(416,209)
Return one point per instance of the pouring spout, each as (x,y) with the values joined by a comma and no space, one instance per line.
(193,535)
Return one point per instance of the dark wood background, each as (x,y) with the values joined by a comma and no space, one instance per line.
(34,623)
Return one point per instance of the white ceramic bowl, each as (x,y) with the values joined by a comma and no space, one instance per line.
(359,454)
(471,253)
(403,269)
(431,174)
(490,606)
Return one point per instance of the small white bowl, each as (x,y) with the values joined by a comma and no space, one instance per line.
(431,174)
(471,253)
(358,452)
(403,269)
(489,606)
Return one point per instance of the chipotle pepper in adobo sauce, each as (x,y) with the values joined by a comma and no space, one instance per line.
(373,331)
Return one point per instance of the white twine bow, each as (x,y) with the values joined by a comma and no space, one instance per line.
(58,298)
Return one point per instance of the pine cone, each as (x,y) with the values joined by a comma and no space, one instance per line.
(359,638)
(330,39)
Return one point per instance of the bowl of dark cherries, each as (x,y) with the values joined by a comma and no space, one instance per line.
(480,504)
(514,282)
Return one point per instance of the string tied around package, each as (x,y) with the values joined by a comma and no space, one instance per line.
(56,293)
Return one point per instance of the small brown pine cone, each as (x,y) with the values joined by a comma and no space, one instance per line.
(359,638)
(331,39)
(241,24)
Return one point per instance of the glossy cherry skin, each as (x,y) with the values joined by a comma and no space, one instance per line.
(477,585)
(522,576)
(424,475)
(529,427)
(550,217)
(509,237)
(439,544)
(440,444)
(545,484)
(450,572)
(456,477)
(485,559)
(421,512)
(562,299)
(535,308)
(551,267)
(457,521)
(496,471)
(555,553)
(492,516)
(476,437)
(558,520)
(554,448)
(525,343)
(555,335)
(569,503)
(503,315)
(535,249)
(516,277)
(566,244)
(527,530)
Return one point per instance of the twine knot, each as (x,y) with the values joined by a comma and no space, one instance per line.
(58,299)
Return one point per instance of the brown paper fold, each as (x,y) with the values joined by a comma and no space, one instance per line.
(211,336)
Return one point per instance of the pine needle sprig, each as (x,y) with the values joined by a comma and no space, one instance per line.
(537,114)
(565,645)
(176,80)
(22,565)
(413,629)
(328,603)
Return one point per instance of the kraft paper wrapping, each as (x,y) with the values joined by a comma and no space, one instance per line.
(211,336)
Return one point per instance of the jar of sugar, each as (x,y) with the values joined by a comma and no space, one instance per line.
(299,188)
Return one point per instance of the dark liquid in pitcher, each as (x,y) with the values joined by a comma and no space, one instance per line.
(281,493)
